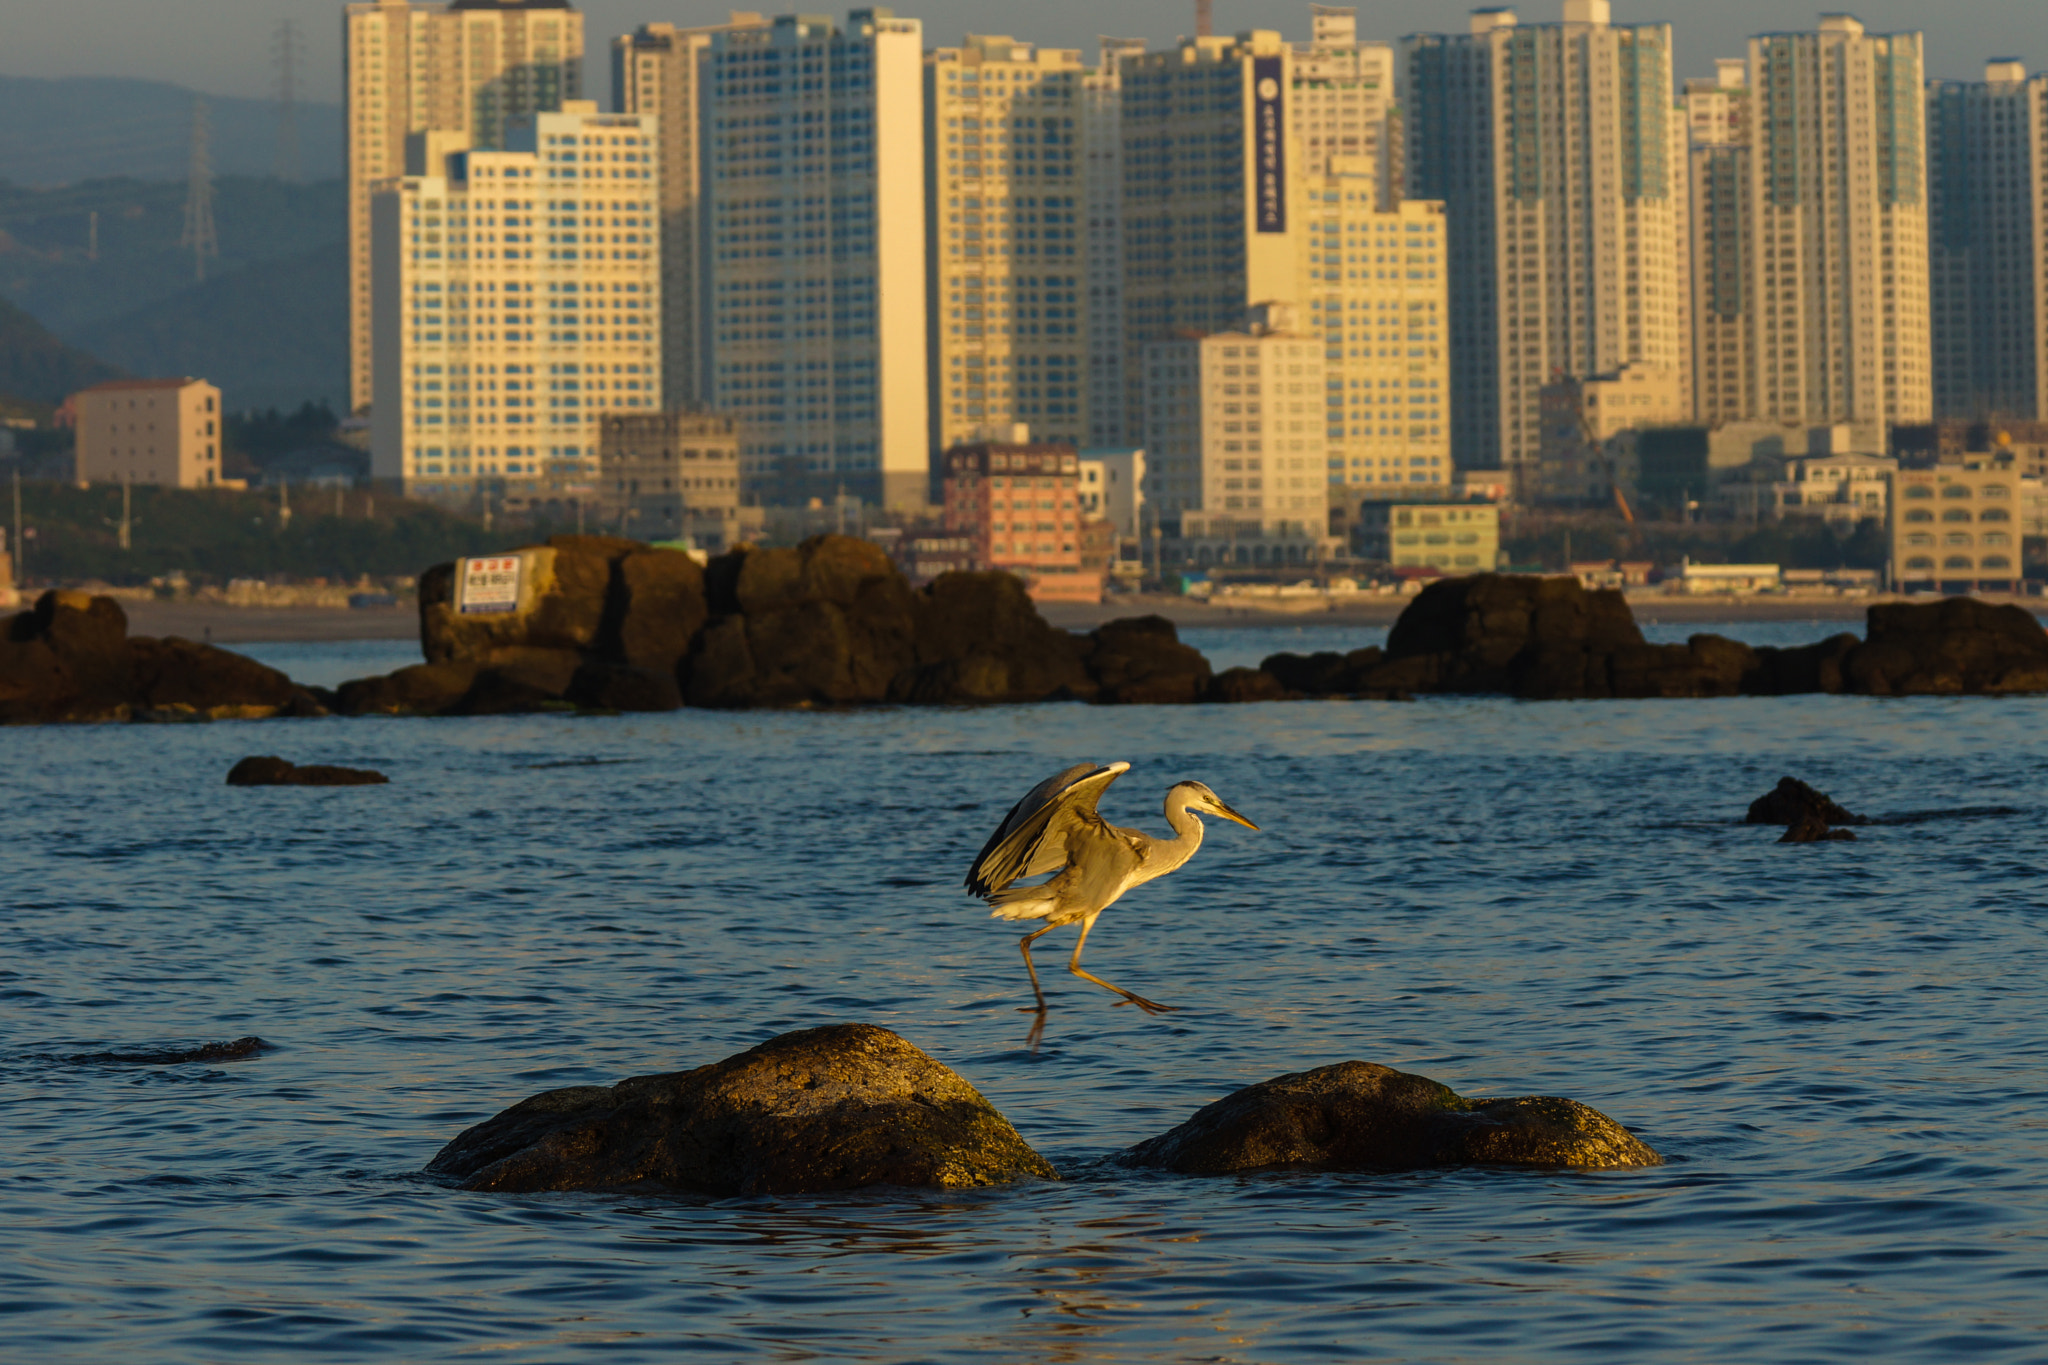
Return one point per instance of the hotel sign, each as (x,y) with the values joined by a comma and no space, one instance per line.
(1269,142)
(487,585)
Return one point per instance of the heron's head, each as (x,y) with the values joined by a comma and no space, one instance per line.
(1198,797)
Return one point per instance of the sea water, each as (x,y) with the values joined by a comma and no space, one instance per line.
(1842,1049)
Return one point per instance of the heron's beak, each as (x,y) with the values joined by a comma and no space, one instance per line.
(1229,814)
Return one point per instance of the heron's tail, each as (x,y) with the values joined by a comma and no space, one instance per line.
(1022,902)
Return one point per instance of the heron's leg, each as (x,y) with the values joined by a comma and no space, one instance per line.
(1074,966)
(1024,946)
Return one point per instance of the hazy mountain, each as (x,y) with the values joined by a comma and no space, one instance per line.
(37,366)
(59,132)
(267,325)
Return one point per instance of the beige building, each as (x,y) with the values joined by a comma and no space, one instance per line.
(1718,128)
(1558,153)
(1450,537)
(814,307)
(1589,426)
(1988,230)
(1235,442)
(1006,236)
(1837,289)
(671,475)
(517,299)
(657,70)
(1842,488)
(1102,153)
(1956,528)
(472,67)
(149,431)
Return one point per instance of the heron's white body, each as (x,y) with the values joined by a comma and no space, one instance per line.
(1156,858)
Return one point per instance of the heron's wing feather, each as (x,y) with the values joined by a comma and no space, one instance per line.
(1033,837)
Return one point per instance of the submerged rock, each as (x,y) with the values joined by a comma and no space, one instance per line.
(831,1108)
(1812,828)
(1792,801)
(268,770)
(237,1050)
(1359,1116)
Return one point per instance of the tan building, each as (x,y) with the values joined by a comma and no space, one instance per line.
(1956,528)
(1588,426)
(164,432)
(671,476)
(1018,504)
(1450,537)
(1006,226)
(656,70)
(1717,119)
(1102,152)
(1559,155)
(518,299)
(472,67)
(1235,442)
(1841,488)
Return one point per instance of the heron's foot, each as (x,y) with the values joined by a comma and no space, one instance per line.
(1149,1006)
(1032,1039)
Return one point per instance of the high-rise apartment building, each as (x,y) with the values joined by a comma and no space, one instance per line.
(1006,206)
(1225,205)
(655,70)
(473,67)
(1102,159)
(1838,241)
(1719,123)
(813,301)
(1557,153)
(1988,205)
(516,298)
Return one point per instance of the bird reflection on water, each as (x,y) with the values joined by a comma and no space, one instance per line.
(1056,829)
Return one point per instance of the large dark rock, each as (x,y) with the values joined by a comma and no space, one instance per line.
(1518,634)
(175,673)
(1357,1116)
(621,687)
(979,638)
(1956,646)
(420,690)
(1327,673)
(67,659)
(1140,659)
(1792,801)
(1788,671)
(657,606)
(830,1108)
(1245,685)
(268,770)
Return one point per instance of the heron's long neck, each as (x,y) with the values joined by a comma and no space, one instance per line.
(1187,835)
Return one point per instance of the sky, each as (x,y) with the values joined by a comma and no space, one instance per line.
(223,46)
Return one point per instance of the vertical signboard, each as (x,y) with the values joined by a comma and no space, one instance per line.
(1269,143)
(489,584)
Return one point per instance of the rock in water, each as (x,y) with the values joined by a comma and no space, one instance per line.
(1812,828)
(1358,1116)
(833,1108)
(1792,801)
(236,1050)
(268,770)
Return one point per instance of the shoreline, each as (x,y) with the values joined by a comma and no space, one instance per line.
(218,623)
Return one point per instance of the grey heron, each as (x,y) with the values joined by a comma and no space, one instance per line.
(1055,828)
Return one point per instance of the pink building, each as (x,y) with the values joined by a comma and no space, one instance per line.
(1019,506)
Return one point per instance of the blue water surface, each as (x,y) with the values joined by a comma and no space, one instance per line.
(1842,1048)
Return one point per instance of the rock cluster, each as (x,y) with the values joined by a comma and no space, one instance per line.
(832,1108)
(1358,1116)
(70,658)
(612,624)
(1958,646)
(1809,816)
(268,770)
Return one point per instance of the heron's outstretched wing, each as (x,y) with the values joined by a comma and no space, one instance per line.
(1033,837)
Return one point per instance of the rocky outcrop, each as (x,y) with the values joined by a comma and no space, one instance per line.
(1792,801)
(1246,685)
(70,658)
(1357,1116)
(1141,660)
(1325,674)
(1782,672)
(1958,646)
(832,1108)
(239,1049)
(268,770)
(1812,828)
(980,639)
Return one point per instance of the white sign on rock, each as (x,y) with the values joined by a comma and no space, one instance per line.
(487,585)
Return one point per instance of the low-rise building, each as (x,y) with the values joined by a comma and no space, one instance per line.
(1841,489)
(1700,579)
(164,432)
(1956,527)
(1450,537)
(671,475)
(1019,503)
(1590,429)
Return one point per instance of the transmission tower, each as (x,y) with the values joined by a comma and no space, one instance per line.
(286,47)
(199,233)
